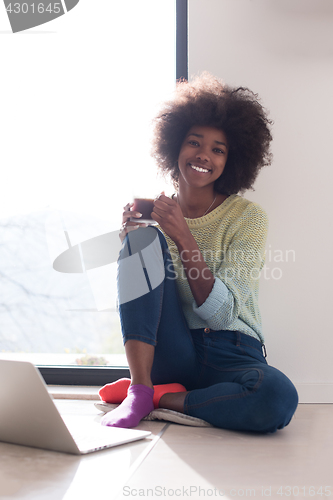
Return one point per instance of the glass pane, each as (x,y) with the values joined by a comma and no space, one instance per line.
(76,106)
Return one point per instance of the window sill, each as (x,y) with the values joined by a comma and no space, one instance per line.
(82,376)
(74,392)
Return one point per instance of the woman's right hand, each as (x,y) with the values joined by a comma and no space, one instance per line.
(127,224)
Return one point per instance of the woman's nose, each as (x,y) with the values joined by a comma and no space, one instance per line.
(202,155)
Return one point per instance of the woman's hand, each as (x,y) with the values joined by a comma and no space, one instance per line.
(169,216)
(127,224)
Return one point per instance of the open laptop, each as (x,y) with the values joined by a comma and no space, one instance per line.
(28,416)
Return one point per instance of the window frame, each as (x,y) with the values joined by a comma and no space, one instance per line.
(101,375)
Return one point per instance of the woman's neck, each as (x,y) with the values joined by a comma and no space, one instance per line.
(197,204)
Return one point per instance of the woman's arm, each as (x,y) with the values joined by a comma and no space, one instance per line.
(220,297)
(199,276)
(237,276)
(168,214)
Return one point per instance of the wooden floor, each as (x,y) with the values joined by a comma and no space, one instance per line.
(183,462)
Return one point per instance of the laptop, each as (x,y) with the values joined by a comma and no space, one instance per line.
(29,417)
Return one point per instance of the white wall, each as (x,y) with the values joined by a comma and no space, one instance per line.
(283,50)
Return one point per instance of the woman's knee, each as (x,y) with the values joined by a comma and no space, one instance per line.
(140,239)
(278,403)
(289,402)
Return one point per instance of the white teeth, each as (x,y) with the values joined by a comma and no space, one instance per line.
(199,169)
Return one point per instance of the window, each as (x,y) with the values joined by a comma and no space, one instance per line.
(75,148)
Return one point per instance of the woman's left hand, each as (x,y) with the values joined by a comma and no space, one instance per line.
(169,216)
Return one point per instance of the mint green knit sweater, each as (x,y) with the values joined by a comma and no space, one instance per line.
(232,240)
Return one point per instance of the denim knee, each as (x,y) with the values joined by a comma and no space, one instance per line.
(278,403)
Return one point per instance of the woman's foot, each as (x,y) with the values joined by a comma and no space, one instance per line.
(173,402)
(137,405)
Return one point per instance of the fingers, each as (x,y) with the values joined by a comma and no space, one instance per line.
(165,199)
(129,226)
(128,223)
(128,213)
(164,204)
(131,214)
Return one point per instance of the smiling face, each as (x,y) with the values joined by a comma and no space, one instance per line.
(203,156)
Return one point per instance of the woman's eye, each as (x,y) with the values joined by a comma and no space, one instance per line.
(218,150)
(193,143)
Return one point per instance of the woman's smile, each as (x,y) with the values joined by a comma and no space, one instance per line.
(203,156)
(199,168)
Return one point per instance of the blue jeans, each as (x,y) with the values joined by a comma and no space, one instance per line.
(229,381)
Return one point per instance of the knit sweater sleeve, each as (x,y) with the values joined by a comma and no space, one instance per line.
(237,276)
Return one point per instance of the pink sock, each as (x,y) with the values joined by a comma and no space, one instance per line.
(137,405)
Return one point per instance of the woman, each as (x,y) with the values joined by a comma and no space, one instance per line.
(193,339)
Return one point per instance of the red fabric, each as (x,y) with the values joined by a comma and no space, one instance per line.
(117,391)
(160,390)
